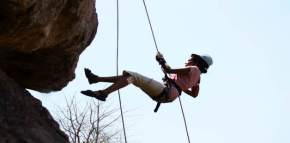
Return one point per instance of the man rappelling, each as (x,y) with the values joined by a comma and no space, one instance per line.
(185,79)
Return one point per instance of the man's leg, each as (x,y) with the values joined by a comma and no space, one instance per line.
(119,82)
(111,79)
(92,78)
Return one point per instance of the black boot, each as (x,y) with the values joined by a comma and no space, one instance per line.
(90,76)
(97,94)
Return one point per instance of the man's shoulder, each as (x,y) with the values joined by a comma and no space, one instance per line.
(193,68)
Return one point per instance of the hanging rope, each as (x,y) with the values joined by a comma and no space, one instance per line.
(117,72)
(98,122)
(150,26)
(184,119)
(152,32)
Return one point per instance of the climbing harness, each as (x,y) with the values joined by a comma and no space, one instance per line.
(163,97)
(158,104)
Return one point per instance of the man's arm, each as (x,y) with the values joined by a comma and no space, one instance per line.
(193,92)
(167,68)
(178,71)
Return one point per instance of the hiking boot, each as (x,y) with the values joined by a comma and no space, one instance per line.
(97,94)
(90,76)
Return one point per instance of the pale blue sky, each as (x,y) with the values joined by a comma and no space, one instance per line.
(245,96)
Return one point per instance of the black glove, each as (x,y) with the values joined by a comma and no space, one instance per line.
(160,59)
(166,67)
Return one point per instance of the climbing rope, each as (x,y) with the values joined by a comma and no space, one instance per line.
(148,18)
(117,72)
(98,122)
(152,32)
(184,119)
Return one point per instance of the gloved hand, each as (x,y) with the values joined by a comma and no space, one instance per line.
(166,67)
(160,58)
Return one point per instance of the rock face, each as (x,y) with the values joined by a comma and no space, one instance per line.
(41,40)
(22,117)
(40,43)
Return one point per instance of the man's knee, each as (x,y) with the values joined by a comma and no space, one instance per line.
(130,79)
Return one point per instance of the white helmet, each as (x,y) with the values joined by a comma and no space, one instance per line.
(207,59)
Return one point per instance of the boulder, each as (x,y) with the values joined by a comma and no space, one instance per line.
(22,117)
(41,40)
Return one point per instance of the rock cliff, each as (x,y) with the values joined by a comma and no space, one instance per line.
(22,117)
(41,40)
(40,43)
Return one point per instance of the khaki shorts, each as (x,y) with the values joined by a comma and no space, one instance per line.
(150,86)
